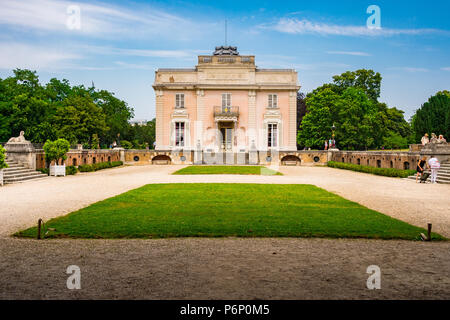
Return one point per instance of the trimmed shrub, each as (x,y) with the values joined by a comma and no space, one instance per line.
(85,168)
(44,170)
(126,144)
(388,172)
(71,170)
(99,166)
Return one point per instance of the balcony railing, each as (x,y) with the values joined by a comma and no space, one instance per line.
(226,111)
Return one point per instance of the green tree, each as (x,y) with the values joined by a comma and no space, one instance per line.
(433,116)
(117,114)
(79,118)
(3,163)
(56,150)
(95,142)
(367,80)
(321,112)
(351,103)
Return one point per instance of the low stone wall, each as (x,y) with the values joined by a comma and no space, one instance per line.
(76,157)
(379,159)
(309,158)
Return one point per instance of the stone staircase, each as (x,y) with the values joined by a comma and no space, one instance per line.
(18,173)
(443,175)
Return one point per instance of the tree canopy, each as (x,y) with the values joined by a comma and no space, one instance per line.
(433,116)
(60,110)
(351,104)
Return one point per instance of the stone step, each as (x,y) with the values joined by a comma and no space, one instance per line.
(23,179)
(21,174)
(16,165)
(438,179)
(16,170)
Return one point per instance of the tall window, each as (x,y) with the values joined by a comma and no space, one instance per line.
(272,135)
(179,134)
(273,101)
(179,100)
(226,99)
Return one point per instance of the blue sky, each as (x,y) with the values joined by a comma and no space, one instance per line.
(120,43)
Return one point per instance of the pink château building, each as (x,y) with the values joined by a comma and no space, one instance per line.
(226,105)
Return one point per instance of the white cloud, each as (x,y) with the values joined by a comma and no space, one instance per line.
(24,56)
(350,53)
(97,20)
(304,26)
(446,69)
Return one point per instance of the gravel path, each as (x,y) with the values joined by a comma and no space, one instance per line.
(224,269)
(21,205)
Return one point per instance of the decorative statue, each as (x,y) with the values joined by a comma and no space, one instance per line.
(20,138)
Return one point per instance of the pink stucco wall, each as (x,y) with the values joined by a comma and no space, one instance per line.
(212,98)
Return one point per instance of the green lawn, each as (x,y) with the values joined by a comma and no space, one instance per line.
(252,170)
(227,210)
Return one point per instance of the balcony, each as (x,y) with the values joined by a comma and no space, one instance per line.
(226,112)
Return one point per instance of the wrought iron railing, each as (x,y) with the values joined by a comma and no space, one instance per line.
(226,111)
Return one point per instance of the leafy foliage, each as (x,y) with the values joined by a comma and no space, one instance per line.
(56,150)
(60,110)
(3,163)
(99,166)
(71,170)
(388,172)
(350,103)
(433,116)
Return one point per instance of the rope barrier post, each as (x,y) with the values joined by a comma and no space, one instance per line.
(39,229)
(429,231)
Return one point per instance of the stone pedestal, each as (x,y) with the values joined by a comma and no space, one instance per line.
(253,154)
(198,155)
(20,150)
(121,154)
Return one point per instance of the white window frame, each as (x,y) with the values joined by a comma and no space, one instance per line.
(272,100)
(273,142)
(180,133)
(226,100)
(179,100)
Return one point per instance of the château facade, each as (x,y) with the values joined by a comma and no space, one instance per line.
(226,104)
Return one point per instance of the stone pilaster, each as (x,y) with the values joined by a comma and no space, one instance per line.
(292,135)
(251,130)
(160,121)
(201,118)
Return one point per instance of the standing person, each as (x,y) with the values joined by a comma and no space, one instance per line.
(434,165)
(326,144)
(329,143)
(425,139)
(421,167)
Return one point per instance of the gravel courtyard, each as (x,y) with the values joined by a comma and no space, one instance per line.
(21,205)
(223,268)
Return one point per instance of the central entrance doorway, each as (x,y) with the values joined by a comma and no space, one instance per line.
(226,132)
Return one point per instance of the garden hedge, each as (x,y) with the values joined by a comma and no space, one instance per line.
(99,166)
(388,172)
